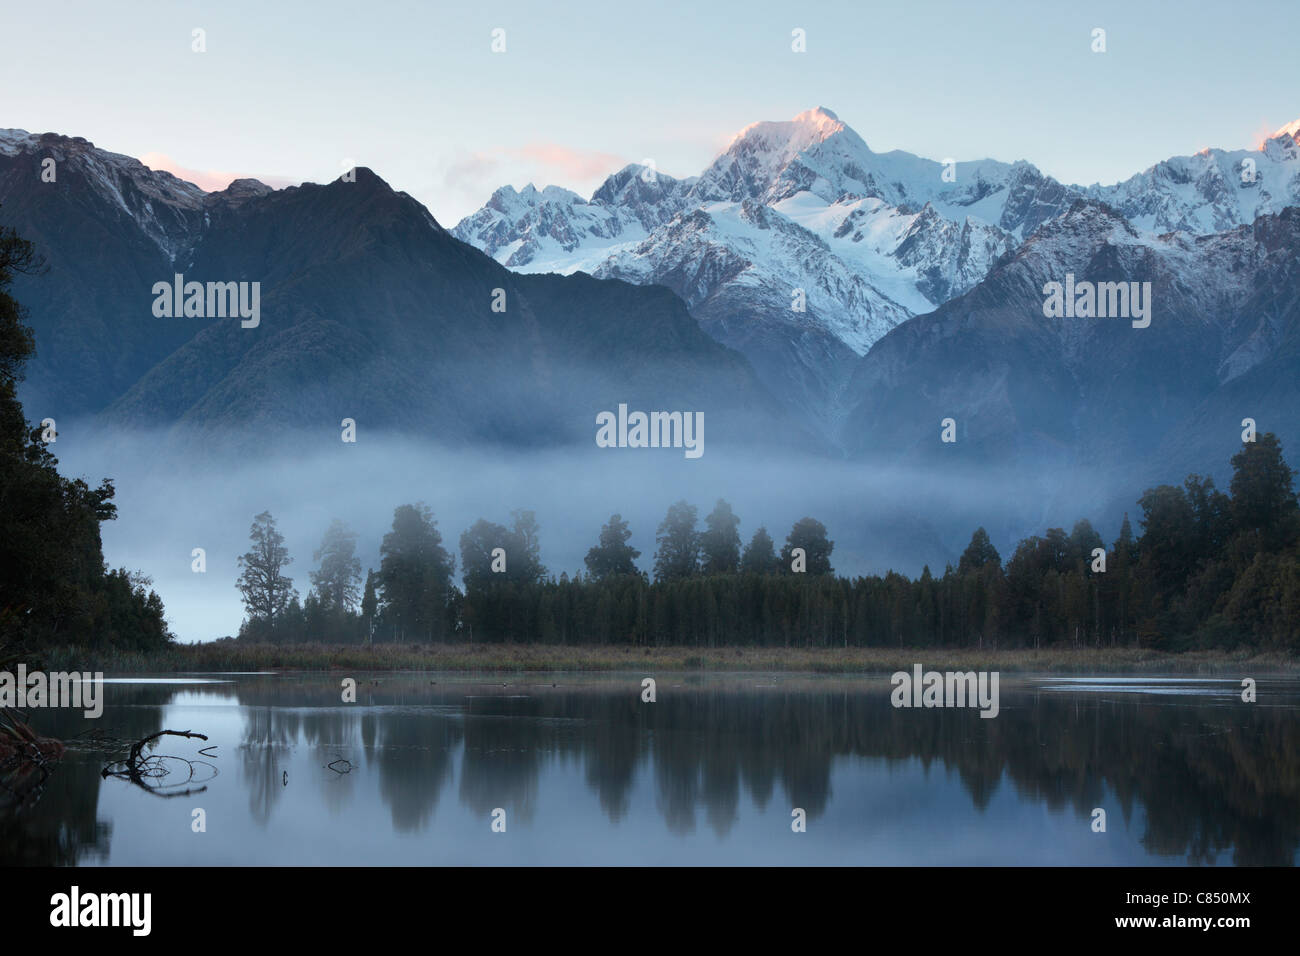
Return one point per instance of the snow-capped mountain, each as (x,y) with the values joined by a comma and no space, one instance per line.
(799,246)
(555,230)
(870,208)
(1214,190)
(869,238)
(839,273)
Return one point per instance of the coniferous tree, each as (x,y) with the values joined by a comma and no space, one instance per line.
(720,543)
(369,606)
(760,554)
(809,534)
(613,556)
(978,553)
(525,549)
(1263,495)
(415,577)
(477,543)
(337,581)
(679,544)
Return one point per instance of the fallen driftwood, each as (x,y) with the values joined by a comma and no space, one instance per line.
(26,758)
(148,772)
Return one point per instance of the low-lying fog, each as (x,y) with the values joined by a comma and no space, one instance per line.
(171,501)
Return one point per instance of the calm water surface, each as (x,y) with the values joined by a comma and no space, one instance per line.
(587,773)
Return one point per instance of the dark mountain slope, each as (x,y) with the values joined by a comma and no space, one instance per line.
(106,227)
(1037,392)
(370,310)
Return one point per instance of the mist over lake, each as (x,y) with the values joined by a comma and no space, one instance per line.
(881,517)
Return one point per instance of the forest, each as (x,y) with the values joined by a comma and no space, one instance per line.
(1207,569)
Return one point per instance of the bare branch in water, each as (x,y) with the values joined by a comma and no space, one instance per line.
(141,770)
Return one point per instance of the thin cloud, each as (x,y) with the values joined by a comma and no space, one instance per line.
(468,179)
(209,180)
(546,164)
(574,164)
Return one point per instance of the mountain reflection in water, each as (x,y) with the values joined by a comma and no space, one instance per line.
(707,774)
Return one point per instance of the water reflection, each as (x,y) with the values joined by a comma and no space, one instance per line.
(586,771)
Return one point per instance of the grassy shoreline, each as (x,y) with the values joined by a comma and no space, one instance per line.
(228,656)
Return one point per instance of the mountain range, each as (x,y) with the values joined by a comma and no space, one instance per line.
(803,290)
(871,239)
(370,310)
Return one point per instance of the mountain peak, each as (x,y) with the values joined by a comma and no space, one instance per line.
(248,187)
(13,141)
(774,160)
(1290,131)
(808,128)
(818,116)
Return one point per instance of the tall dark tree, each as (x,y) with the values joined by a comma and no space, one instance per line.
(525,549)
(266,589)
(337,580)
(1057,554)
(679,544)
(1263,493)
(720,543)
(1084,539)
(17,257)
(1168,542)
(369,605)
(477,542)
(520,552)
(809,534)
(415,577)
(760,554)
(978,553)
(613,556)
(1125,546)
(1119,581)
(1212,513)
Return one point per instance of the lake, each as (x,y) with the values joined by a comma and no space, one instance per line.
(419,769)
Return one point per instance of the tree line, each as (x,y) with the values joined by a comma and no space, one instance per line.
(1208,569)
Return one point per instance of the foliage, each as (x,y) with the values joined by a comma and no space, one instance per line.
(1206,571)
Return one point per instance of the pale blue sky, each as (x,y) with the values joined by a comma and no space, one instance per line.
(292,91)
